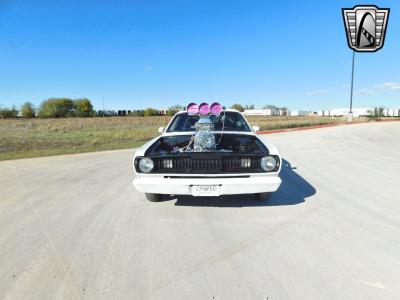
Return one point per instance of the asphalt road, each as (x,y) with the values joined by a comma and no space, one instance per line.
(73,227)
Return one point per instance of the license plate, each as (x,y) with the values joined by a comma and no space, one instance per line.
(206,190)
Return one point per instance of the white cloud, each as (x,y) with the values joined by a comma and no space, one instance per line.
(317,93)
(379,87)
(388,86)
(365,92)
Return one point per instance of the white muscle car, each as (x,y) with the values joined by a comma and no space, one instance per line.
(207,155)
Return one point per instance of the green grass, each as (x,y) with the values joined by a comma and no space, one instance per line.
(43,137)
(22,138)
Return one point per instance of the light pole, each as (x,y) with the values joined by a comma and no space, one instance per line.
(350,117)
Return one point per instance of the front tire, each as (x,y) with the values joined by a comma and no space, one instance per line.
(263,196)
(154,197)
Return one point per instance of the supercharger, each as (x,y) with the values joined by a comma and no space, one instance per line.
(204,138)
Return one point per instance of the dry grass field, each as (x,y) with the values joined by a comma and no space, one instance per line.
(21,138)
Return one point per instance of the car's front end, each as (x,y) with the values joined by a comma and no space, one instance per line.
(209,163)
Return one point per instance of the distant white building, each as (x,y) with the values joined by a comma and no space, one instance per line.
(266,112)
(164,111)
(391,112)
(334,112)
(284,112)
(357,112)
(297,113)
(261,112)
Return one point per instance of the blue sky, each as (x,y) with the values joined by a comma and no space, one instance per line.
(139,54)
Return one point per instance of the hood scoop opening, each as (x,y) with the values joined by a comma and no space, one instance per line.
(203,141)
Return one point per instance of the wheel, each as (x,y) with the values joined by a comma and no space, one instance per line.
(154,197)
(263,196)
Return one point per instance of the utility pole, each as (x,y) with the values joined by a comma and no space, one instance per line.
(350,118)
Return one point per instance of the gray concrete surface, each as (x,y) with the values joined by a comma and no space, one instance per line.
(73,227)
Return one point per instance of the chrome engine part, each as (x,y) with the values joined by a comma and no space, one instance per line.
(204,139)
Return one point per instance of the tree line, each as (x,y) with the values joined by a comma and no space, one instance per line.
(82,107)
(69,108)
(52,108)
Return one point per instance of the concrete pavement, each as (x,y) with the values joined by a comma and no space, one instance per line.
(73,227)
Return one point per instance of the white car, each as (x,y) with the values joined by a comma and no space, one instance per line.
(208,155)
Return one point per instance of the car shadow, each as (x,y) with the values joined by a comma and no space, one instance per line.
(293,190)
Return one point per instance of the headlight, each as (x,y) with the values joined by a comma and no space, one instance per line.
(146,164)
(268,163)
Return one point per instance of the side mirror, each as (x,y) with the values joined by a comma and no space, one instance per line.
(161,129)
(256,128)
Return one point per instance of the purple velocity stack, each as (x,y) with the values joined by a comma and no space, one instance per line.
(192,109)
(204,109)
(216,108)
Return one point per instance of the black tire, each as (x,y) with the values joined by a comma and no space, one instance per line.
(263,196)
(154,197)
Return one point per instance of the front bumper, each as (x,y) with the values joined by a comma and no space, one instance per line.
(228,186)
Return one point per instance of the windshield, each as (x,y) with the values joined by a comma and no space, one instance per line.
(227,121)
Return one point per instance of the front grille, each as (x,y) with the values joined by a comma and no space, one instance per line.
(207,165)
